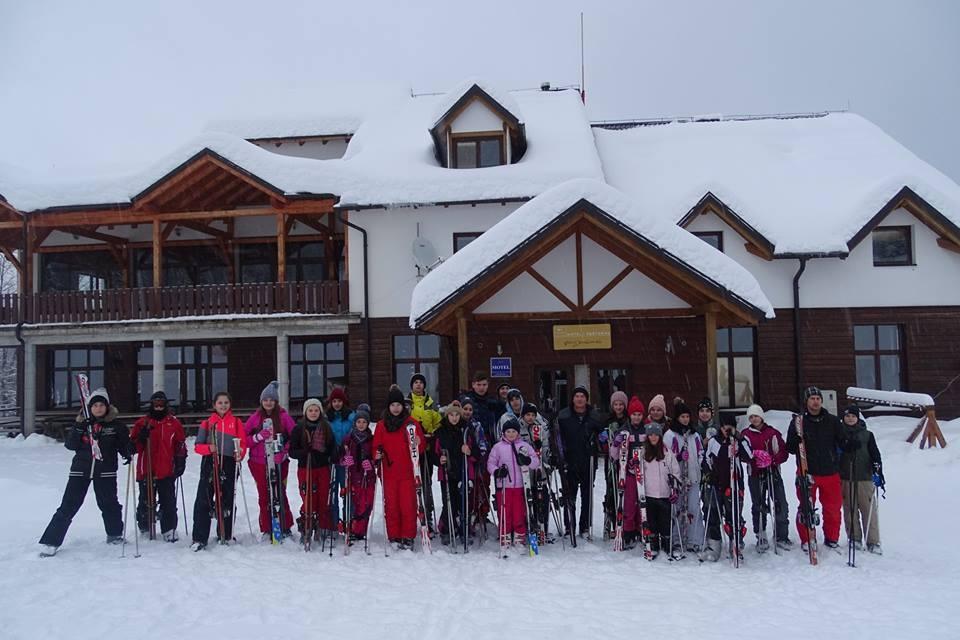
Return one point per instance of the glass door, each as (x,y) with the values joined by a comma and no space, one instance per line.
(552,391)
(609,380)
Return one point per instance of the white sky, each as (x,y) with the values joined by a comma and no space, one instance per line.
(93,87)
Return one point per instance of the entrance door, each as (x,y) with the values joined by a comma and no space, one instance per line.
(552,391)
(609,380)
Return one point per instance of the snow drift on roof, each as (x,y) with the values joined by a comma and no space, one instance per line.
(807,184)
(445,103)
(506,235)
(290,127)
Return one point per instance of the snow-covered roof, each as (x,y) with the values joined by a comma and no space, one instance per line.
(289,127)
(808,185)
(469,264)
(447,102)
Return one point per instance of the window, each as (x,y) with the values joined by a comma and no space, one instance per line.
(413,353)
(64,365)
(892,247)
(258,263)
(460,240)
(470,153)
(183,266)
(879,356)
(736,367)
(712,238)
(315,368)
(193,373)
(79,271)
(307,262)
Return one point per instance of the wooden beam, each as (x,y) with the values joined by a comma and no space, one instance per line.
(203,227)
(552,289)
(949,245)
(168,229)
(579,238)
(313,224)
(157,254)
(710,327)
(281,246)
(190,175)
(12,259)
(624,314)
(463,350)
(757,251)
(617,279)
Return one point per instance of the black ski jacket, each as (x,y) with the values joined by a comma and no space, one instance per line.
(575,434)
(823,436)
(113,437)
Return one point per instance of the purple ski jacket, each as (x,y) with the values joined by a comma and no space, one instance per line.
(502,454)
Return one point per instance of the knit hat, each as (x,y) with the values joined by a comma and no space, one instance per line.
(754,410)
(158,395)
(529,407)
(99,395)
(680,407)
(635,406)
(705,403)
(513,393)
(271,392)
(418,376)
(467,400)
(658,401)
(654,429)
(452,410)
(852,410)
(395,395)
(312,402)
(363,406)
(338,393)
(618,396)
(511,424)
(580,389)
(360,414)
(811,391)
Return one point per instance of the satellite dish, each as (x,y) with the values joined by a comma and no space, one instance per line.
(424,254)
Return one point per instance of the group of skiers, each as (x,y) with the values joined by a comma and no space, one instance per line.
(674,483)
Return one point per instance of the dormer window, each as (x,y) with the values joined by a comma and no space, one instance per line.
(473,152)
(476,128)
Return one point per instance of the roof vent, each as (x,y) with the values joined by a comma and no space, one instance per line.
(544,86)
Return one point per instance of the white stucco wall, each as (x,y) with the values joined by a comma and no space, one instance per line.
(476,117)
(317,149)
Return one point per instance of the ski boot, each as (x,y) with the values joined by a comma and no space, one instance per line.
(762,544)
(875,549)
(832,544)
(785,545)
(198,546)
(712,552)
(170,536)
(114,539)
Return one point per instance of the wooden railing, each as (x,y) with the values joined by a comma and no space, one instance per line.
(176,302)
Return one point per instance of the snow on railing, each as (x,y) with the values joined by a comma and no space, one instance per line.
(928,425)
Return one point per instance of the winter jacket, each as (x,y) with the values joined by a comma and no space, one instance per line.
(823,438)
(656,475)
(768,439)
(717,459)
(306,444)
(341,422)
(283,426)
(222,430)
(542,429)
(110,434)
(359,445)
(863,457)
(424,410)
(479,436)
(392,437)
(574,435)
(484,412)
(614,425)
(450,438)
(502,455)
(689,440)
(706,430)
(632,438)
(168,447)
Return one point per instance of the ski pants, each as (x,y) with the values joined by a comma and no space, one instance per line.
(863,492)
(831,498)
(401,506)
(426,475)
(513,511)
(361,502)
(165,491)
(451,489)
(694,524)
(632,520)
(711,512)
(658,522)
(205,507)
(609,497)
(105,490)
(541,499)
(260,475)
(760,484)
(317,494)
(578,481)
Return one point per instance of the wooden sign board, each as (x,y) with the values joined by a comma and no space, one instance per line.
(581,336)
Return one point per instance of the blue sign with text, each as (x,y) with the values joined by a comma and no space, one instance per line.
(501,367)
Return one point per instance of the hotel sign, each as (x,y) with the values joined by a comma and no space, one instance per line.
(581,336)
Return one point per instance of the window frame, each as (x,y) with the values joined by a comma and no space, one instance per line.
(877,352)
(304,363)
(729,355)
(417,361)
(202,373)
(476,139)
(73,394)
(703,235)
(911,254)
(464,234)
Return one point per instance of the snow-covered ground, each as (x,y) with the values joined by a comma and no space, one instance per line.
(256,591)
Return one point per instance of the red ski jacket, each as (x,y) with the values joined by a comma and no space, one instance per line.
(167,441)
(396,450)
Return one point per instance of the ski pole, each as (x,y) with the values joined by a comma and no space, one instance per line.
(126,512)
(151,496)
(854,519)
(873,501)
(706,523)
(246,508)
(772,497)
(136,530)
(183,502)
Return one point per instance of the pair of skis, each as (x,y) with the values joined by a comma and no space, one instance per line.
(533,543)
(622,456)
(808,508)
(274,485)
(418,483)
(736,503)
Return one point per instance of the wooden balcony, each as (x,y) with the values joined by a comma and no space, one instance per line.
(327,297)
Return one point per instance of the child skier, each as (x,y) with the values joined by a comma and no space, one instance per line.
(452,441)
(221,441)
(507,458)
(535,431)
(341,417)
(660,470)
(632,435)
(861,456)
(162,456)
(769,452)
(480,493)
(313,446)
(705,425)
(357,456)
(97,441)
(391,447)
(616,422)
(717,465)
(270,421)
(684,442)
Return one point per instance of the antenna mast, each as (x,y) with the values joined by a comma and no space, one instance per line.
(583,88)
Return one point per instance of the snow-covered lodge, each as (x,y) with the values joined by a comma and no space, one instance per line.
(495,231)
